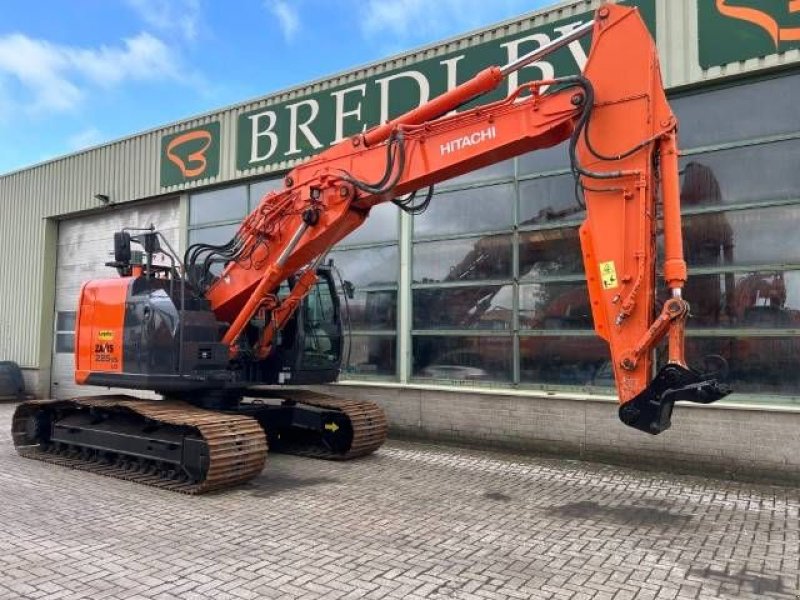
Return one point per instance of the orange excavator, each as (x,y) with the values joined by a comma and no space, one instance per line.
(212,342)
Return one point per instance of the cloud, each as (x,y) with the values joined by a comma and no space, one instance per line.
(85,139)
(410,18)
(288,19)
(171,16)
(55,78)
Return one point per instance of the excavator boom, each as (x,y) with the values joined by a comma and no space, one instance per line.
(623,152)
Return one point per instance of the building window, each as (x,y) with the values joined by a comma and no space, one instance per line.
(65,331)
(369,261)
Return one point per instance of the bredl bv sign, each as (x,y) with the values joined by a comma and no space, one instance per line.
(307,125)
(304,126)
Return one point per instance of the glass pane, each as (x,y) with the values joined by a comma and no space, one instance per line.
(65,342)
(468,259)
(381,226)
(488,208)
(554,306)
(758,365)
(65,321)
(751,174)
(228,204)
(370,267)
(545,160)
(481,307)
(215,236)
(565,360)
(371,355)
(322,340)
(746,237)
(548,199)
(496,171)
(463,358)
(761,300)
(372,310)
(260,189)
(726,115)
(549,252)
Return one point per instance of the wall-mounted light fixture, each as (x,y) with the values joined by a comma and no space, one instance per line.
(102,198)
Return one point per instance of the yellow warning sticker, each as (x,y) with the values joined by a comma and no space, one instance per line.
(332,427)
(105,335)
(608,275)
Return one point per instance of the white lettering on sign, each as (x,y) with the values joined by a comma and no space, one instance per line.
(341,114)
(259,132)
(468,140)
(295,127)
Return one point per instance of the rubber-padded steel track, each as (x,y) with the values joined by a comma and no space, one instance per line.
(236,444)
(367,419)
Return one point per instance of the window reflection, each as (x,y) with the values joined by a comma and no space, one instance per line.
(372,309)
(381,226)
(463,211)
(763,299)
(549,252)
(369,267)
(565,360)
(742,237)
(548,199)
(463,358)
(371,355)
(726,115)
(469,259)
(764,172)
(764,364)
(554,306)
(227,204)
(474,307)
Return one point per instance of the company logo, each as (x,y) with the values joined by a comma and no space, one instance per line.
(105,335)
(738,30)
(468,140)
(190,155)
(766,20)
(195,162)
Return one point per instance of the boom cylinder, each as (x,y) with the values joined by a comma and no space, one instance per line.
(483,82)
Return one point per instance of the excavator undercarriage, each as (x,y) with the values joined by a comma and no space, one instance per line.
(173,445)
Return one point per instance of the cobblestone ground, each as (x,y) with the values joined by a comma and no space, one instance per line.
(412,521)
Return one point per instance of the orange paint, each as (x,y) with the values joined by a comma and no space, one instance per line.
(99,330)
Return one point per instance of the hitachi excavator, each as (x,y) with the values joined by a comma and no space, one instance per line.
(221,348)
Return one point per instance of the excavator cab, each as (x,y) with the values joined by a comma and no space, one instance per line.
(310,346)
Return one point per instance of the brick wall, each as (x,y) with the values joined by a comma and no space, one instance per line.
(736,442)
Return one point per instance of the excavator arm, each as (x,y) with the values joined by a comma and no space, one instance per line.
(623,152)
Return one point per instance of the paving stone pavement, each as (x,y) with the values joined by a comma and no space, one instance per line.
(412,521)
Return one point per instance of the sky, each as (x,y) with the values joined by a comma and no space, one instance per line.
(77,73)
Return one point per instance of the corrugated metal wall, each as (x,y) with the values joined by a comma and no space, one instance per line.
(128,170)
